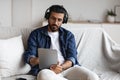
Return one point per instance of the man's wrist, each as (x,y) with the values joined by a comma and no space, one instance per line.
(66,65)
(34,61)
(63,68)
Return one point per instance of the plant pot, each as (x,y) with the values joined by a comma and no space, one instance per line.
(111,19)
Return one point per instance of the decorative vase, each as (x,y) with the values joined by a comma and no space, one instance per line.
(111,19)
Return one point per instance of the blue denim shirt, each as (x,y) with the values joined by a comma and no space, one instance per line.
(39,38)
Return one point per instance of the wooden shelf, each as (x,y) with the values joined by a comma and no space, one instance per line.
(88,22)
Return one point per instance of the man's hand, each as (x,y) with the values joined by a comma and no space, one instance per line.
(34,61)
(56,68)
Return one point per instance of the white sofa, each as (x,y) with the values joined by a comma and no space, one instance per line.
(10,42)
(96,50)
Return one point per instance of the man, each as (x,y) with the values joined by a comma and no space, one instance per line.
(55,37)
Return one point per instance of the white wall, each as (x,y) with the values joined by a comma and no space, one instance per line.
(93,10)
(22,13)
(5,13)
(30,13)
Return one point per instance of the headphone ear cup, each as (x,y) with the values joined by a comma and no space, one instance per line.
(47,14)
(65,18)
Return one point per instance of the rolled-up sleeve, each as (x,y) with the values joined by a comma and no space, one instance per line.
(71,49)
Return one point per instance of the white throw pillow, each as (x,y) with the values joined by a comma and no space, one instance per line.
(11,57)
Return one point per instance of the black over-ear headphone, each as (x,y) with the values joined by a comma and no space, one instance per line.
(58,9)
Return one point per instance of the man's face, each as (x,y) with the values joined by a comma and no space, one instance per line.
(55,21)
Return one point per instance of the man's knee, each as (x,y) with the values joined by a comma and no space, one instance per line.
(90,74)
(45,74)
(83,73)
(93,76)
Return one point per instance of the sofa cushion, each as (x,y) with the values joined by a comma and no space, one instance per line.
(11,57)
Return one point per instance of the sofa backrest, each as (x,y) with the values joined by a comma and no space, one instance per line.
(9,32)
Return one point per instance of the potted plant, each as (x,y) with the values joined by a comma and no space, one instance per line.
(111,16)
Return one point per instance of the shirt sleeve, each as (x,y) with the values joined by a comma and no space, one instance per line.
(71,49)
(32,48)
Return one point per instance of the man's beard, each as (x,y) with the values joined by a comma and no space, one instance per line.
(54,28)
